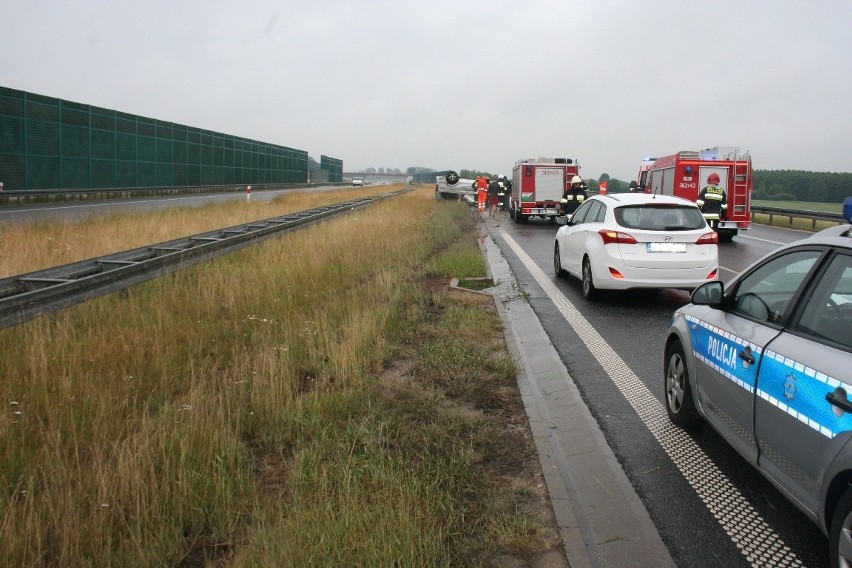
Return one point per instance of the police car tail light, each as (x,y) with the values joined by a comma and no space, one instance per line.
(610,237)
(711,238)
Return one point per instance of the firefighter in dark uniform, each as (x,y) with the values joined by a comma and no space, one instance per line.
(493,196)
(501,195)
(713,201)
(573,196)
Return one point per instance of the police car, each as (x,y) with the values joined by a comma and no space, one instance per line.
(766,360)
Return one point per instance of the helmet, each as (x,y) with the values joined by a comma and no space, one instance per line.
(576,179)
(713,178)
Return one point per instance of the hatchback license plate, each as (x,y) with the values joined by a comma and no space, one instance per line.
(666,247)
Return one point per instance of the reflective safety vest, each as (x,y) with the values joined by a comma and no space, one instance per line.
(714,192)
(571,201)
(712,201)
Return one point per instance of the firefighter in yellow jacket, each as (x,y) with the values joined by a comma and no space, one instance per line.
(713,200)
(573,196)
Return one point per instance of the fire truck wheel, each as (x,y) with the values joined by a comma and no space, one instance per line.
(589,290)
(726,235)
(557,262)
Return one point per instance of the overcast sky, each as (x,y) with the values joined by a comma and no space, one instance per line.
(460,84)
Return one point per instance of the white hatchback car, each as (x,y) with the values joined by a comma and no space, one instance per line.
(620,241)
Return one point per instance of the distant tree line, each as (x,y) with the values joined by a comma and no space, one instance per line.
(776,185)
(799,185)
(382,171)
(472,174)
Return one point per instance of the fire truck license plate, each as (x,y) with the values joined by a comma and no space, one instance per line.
(666,247)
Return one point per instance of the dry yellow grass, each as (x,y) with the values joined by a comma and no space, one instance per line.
(227,413)
(26,247)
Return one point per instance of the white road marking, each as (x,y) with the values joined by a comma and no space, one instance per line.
(740,521)
(761,240)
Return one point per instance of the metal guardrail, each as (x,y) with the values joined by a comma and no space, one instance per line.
(813,216)
(29,295)
(27,195)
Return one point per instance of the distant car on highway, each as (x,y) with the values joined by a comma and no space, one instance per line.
(620,241)
(357,181)
(766,360)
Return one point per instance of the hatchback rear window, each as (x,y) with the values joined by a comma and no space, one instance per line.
(660,217)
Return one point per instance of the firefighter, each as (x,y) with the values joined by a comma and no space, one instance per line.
(713,200)
(503,194)
(493,196)
(507,192)
(573,196)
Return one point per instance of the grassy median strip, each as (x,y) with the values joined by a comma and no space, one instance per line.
(320,399)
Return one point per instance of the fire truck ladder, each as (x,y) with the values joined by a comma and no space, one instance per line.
(740,192)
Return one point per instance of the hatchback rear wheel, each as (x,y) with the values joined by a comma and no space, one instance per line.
(557,262)
(589,290)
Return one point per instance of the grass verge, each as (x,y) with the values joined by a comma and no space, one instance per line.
(318,399)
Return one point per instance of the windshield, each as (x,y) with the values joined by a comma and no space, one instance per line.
(660,217)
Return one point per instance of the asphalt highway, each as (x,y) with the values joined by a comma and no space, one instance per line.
(710,507)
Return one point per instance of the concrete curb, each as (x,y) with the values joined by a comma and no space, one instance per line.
(601,520)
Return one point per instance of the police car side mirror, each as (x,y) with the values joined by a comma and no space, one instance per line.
(709,294)
(562,220)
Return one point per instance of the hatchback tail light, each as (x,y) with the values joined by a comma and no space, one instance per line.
(711,238)
(616,237)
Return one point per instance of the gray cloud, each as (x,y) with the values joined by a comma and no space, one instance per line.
(450,84)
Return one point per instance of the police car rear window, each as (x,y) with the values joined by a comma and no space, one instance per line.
(660,218)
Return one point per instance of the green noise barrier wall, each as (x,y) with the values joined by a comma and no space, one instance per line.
(48,143)
(333,166)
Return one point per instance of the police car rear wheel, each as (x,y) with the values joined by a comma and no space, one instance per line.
(840,535)
(679,403)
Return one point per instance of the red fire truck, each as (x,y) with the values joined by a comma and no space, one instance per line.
(684,174)
(538,185)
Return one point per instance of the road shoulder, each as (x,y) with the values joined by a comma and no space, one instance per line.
(601,519)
